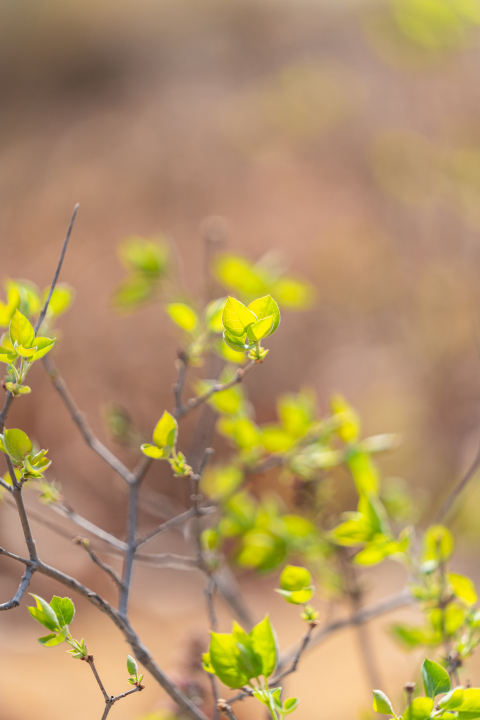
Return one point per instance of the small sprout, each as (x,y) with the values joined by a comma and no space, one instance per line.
(132,668)
(178,463)
(18,446)
(164,438)
(296,585)
(309,614)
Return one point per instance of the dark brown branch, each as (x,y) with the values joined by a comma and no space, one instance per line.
(78,418)
(57,271)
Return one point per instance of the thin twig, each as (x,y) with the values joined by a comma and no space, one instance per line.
(182,365)
(97,678)
(173,522)
(225,708)
(459,487)
(41,317)
(169,560)
(78,418)
(66,511)
(22,588)
(217,387)
(132,523)
(85,544)
(301,649)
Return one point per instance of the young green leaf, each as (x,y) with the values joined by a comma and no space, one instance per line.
(265,307)
(17,444)
(453,700)
(62,298)
(435,678)
(260,329)
(236,317)
(132,666)
(438,544)
(55,638)
(419,709)
(264,645)
(21,330)
(44,614)
(154,452)
(43,346)
(183,315)
(382,704)
(165,433)
(463,588)
(64,609)
(224,658)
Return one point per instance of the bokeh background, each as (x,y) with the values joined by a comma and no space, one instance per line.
(342,134)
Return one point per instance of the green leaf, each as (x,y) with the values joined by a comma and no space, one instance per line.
(364,472)
(435,678)
(132,666)
(238,343)
(55,639)
(246,434)
(463,588)
(133,292)
(349,427)
(44,614)
(438,544)
(206,664)
(264,308)
(470,703)
(213,315)
(224,658)
(25,352)
(265,645)
(453,700)
(21,330)
(183,315)
(165,433)
(382,704)
(64,609)
(17,444)
(148,257)
(234,271)
(43,345)
(293,293)
(295,578)
(152,451)
(260,329)
(290,705)
(6,356)
(419,709)
(7,310)
(236,317)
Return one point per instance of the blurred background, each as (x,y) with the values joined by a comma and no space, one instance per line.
(343,135)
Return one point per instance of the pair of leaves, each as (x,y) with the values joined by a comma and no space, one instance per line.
(164,438)
(271,698)
(296,585)
(56,616)
(17,445)
(238,657)
(246,326)
(22,341)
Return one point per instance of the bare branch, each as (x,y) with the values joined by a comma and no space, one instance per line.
(78,418)
(301,649)
(169,560)
(217,387)
(57,271)
(173,522)
(459,487)
(85,544)
(106,696)
(22,588)
(66,511)
(27,533)
(182,365)
(225,708)
(132,523)
(392,602)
